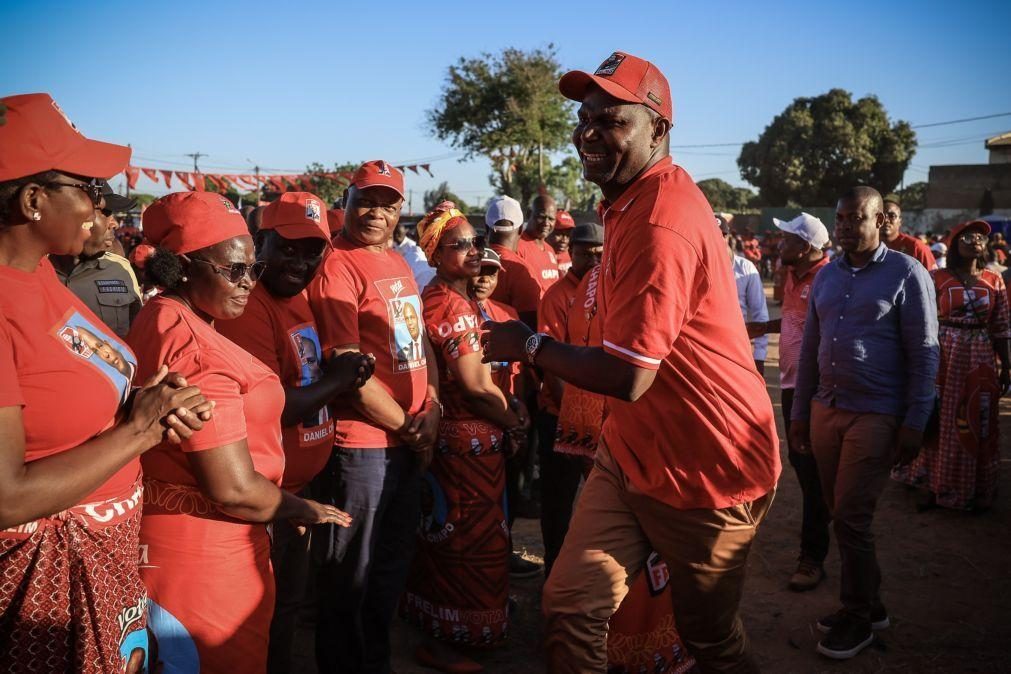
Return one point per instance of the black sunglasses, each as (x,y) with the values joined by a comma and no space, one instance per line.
(236,271)
(92,189)
(465,245)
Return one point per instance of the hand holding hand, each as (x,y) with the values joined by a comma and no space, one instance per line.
(162,409)
(351,370)
(504,341)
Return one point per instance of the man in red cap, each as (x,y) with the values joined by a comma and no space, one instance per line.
(559,240)
(688,457)
(533,246)
(363,300)
(279,329)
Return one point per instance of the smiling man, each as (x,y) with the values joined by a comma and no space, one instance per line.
(688,457)
(533,245)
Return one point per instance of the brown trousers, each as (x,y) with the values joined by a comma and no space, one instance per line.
(854,453)
(613,531)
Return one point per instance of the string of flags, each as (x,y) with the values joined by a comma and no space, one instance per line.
(197,181)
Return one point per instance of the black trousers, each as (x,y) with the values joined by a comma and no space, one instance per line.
(814,529)
(560,476)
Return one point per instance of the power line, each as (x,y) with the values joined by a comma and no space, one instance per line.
(960,121)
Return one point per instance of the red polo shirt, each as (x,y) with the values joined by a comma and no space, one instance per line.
(517,287)
(541,257)
(913,247)
(704,434)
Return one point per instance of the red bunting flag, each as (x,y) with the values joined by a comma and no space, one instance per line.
(413,167)
(132,174)
(426,169)
(167,175)
(199,182)
(151,173)
(186,178)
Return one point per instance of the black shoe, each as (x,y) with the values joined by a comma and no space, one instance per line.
(846,639)
(879,619)
(522,568)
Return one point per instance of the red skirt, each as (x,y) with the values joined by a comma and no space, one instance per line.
(458,587)
(71,599)
(210,581)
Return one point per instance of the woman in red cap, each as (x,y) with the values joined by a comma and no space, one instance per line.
(205,554)
(960,469)
(458,587)
(71,598)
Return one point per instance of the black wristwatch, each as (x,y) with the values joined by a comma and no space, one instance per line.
(534,344)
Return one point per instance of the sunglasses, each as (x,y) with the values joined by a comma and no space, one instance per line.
(92,189)
(237,271)
(466,245)
(972,237)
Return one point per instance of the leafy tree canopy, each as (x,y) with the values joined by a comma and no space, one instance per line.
(443,193)
(723,196)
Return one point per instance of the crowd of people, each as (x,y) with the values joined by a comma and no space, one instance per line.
(302,406)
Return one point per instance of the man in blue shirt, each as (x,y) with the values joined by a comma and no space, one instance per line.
(865,389)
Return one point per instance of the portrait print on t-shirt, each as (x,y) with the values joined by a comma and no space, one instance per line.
(406,326)
(105,353)
(305,342)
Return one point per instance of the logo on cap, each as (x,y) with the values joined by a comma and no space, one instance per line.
(64,115)
(384,170)
(610,65)
(229,206)
(313,210)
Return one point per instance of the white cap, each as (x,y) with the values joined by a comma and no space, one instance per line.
(939,247)
(504,208)
(806,227)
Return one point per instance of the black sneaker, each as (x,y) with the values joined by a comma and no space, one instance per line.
(846,639)
(879,619)
(522,568)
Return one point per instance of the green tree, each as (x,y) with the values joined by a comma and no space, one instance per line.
(506,107)
(723,196)
(443,193)
(914,196)
(566,184)
(819,147)
(326,188)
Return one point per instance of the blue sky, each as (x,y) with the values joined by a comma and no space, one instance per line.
(284,84)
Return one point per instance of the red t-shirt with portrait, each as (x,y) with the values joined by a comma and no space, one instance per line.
(540,256)
(369,298)
(517,286)
(704,434)
(281,333)
(453,324)
(64,367)
(248,396)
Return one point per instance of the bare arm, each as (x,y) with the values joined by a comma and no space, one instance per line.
(344,374)
(375,403)
(481,395)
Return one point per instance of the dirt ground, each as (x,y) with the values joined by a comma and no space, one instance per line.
(947,585)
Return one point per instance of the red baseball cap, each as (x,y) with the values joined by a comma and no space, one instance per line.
(564,221)
(186,221)
(38,137)
(297,215)
(335,220)
(379,173)
(627,78)
(981,226)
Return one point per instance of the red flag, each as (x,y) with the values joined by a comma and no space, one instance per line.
(132,174)
(412,168)
(151,173)
(426,169)
(218,182)
(249,182)
(167,175)
(199,182)
(186,178)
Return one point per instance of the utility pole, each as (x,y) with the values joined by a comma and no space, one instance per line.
(410,202)
(256,169)
(196,156)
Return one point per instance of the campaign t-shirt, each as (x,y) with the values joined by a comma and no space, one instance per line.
(551,318)
(796,293)
(704,434)
(504,374)
(517,287)
(281,333)
(913,247)
(540,256)
(369,298)
(64,367)
(248,396)
(564,262)
(453,323)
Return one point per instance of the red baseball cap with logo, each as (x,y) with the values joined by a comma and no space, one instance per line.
(186,221)
(379,173)
(564,221)
(39,137)
(297,215)
(628,78)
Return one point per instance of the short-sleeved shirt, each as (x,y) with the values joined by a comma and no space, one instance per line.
(63,366)
(910,245)
(564,262)
(517,287)
(108,286)
(504,374)
(369,298)
(796,293)
(704,434)
(551,319)
(453,323)
(248,396)
(540,257)
(281,333)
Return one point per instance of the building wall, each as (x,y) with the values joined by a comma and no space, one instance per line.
(963,186)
